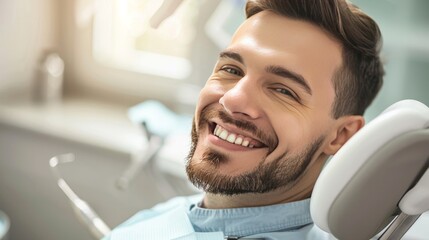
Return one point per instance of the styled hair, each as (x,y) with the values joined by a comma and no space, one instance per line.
(360,77)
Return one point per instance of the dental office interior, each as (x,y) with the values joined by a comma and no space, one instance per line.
(97,97)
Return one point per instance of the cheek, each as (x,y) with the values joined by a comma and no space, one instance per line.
(291,131)
(211,93)
(199,150)
(294,132)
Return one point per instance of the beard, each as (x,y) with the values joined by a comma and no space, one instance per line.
(282,172)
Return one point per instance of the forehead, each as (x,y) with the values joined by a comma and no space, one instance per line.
(273,39)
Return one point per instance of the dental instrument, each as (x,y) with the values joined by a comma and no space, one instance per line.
(157,122)
(85,213)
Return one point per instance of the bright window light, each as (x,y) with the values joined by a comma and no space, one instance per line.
(123,38)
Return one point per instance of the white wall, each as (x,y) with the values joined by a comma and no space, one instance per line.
(27,29)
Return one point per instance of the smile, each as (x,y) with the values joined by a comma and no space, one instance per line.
(236,138)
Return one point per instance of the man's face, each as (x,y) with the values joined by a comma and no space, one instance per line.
(263,115)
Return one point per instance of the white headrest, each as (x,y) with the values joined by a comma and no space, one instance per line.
(350,170)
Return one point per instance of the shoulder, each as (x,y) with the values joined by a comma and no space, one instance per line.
(146,224)
(161,208)
(308,232)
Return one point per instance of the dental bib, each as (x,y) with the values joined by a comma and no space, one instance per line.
(156,229)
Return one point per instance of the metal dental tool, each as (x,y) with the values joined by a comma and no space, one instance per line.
(156,122)
(140,158)
(85,213)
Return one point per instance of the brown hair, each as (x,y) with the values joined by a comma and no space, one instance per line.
(360,77)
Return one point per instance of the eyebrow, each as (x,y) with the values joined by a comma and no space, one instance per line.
(232,55)
(273,69)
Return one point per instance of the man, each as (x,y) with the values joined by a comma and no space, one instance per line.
(288,92)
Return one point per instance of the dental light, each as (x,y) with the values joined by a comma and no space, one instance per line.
(167,9)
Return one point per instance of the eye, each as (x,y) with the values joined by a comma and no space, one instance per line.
(232,70)
(286,92)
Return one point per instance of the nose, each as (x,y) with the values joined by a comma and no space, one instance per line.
(242,99)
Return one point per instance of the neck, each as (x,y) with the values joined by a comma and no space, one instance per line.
(218,201)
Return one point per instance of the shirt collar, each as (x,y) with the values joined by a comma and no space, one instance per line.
(253,220)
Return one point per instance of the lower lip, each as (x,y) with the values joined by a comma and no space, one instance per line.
(227,145)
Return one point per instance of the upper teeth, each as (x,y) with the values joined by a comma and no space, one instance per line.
(232,137)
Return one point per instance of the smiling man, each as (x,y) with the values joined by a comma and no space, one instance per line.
(264,125)
(288,92)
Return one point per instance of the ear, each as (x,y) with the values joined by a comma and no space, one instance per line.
(347,126)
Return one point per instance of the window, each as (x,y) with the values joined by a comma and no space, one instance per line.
(122,37)
(121,58)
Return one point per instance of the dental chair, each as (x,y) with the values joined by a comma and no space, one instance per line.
(377,185)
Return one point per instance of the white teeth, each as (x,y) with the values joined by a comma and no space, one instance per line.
(238,141)
(223,134)
(217,130)
(231,137)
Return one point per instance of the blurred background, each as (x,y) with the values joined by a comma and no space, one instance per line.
(71,69)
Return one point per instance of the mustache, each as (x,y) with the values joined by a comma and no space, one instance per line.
(210,113)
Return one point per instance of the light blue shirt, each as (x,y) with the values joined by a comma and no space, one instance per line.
(182,218)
